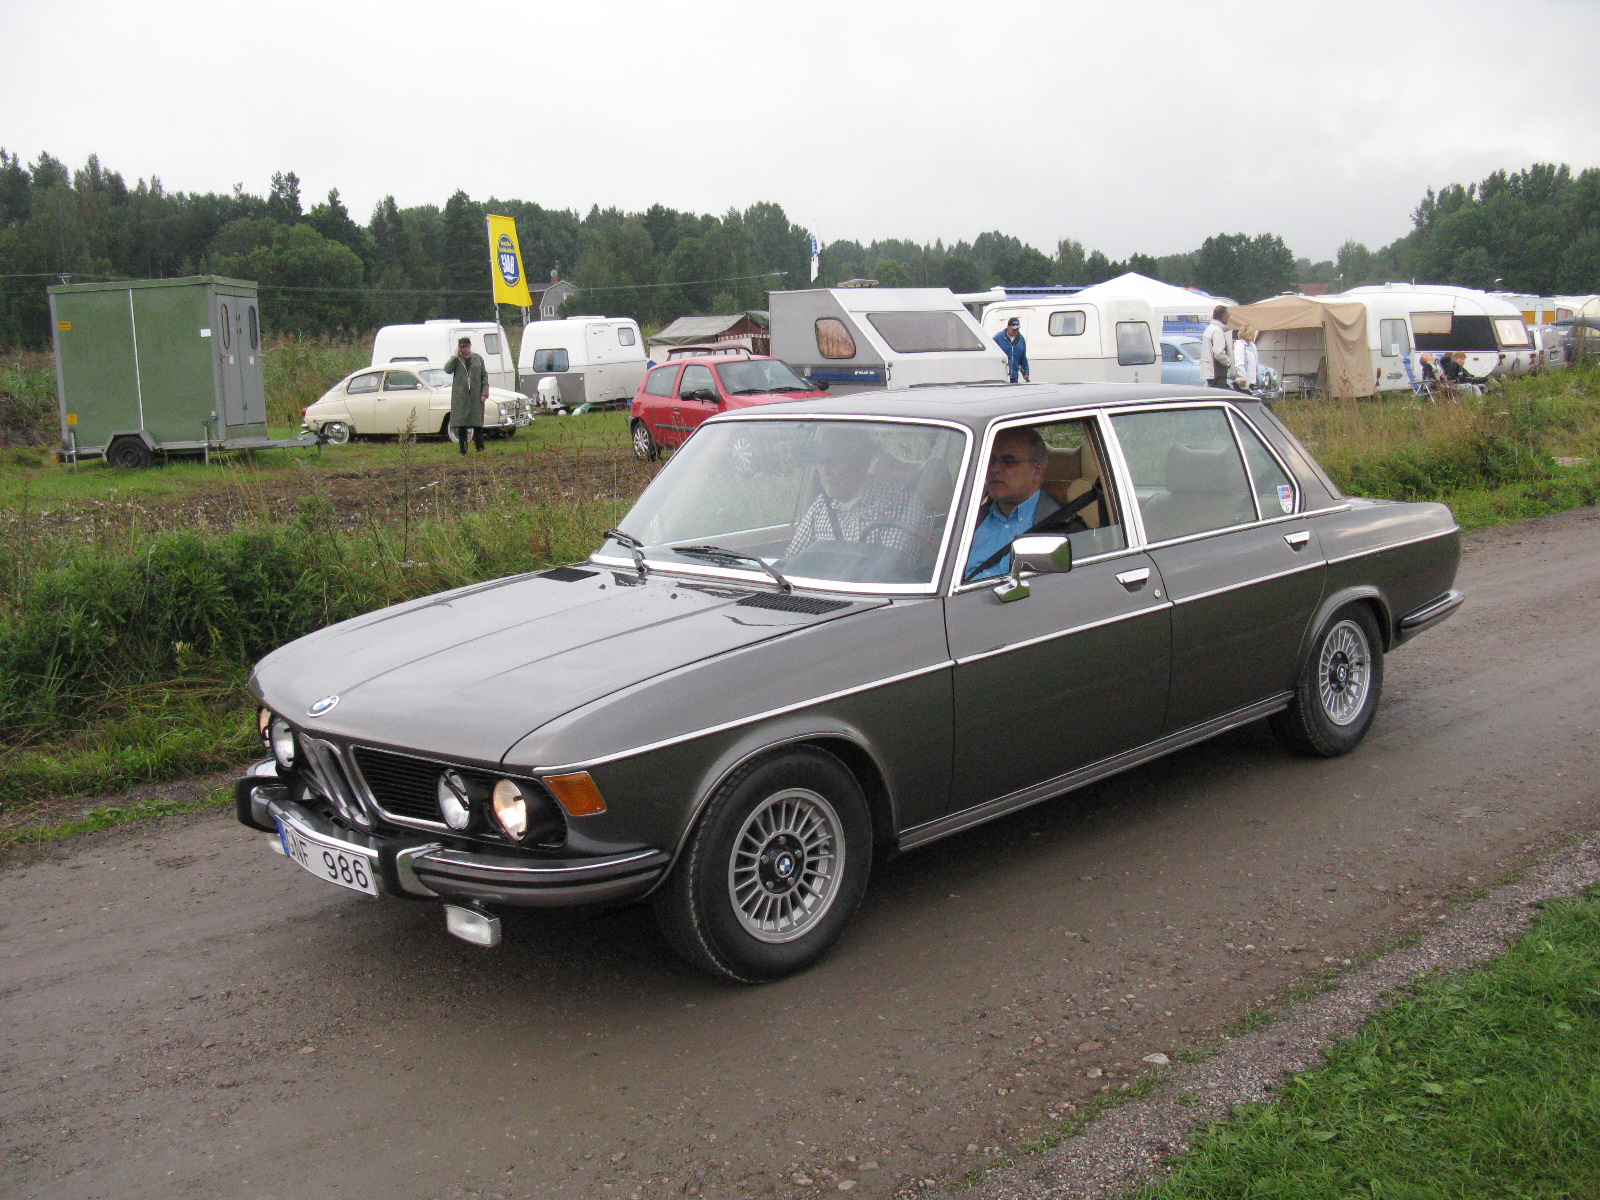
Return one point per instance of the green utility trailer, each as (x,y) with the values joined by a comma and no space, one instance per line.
(159,366)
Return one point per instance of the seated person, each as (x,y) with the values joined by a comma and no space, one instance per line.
(1455,371)
(1016,504)
(1430,369)
(855,507)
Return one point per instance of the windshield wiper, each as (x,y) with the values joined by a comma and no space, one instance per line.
(790,387)
(733,556)
(635,548)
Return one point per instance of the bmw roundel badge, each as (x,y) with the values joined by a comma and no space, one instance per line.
(325,705)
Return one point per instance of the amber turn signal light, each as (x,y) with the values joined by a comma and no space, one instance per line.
(576,793)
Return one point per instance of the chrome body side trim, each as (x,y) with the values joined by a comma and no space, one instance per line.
(991,810)
(1370,550)
(1061,633)
(1315,565)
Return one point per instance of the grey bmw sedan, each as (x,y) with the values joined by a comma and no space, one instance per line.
(837,629)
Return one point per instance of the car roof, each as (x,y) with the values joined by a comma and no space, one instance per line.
(978,404)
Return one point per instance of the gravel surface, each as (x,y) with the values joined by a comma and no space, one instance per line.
(1129,1145)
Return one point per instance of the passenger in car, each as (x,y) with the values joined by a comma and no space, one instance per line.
(855,506)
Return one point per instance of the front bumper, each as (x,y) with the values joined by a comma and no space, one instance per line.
(415,868)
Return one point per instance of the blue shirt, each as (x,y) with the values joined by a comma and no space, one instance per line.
(996,532)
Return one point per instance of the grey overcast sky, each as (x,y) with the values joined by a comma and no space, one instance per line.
(1130,126)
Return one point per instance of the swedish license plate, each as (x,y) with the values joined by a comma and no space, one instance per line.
(337,862)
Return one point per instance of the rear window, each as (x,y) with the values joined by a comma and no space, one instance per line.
(491,343)
(625,335)
(833,339)
(924,332)
(660,381)
(1135,345)
(1513,334)
(550,360)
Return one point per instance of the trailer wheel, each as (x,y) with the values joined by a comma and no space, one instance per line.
(129,453)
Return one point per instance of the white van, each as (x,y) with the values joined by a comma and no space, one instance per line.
(593,360)
(1083,338)
(434,341)
(858,338)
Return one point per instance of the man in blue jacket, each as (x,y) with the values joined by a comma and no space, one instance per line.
(1015,347)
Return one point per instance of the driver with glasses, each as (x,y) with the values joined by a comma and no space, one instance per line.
(1016,502)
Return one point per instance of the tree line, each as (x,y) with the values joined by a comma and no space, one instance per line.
(323,271)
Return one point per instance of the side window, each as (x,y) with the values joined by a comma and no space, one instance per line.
(1169,352)
(1394,338)
(1276,493)
(1135,346)
(1186,469)
(227,328)
(696,379)
(833,338)
(402,381)
(491,344)
(1066,324)
(1056,468)
(255,329)
(370,382)
(660,382)
(550,360)
(625,335)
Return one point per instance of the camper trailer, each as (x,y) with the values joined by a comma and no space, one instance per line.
(595,361)
(434,341)
(858,338)
(1083,337)
(1402,322)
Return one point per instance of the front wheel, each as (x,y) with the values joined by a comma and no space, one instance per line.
(773,871)
(644,445)
(1337,693)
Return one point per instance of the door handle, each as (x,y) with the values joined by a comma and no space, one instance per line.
(1298,539)
(1135,579)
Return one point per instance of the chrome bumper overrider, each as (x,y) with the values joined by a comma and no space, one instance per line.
(416,868)
(1429,615)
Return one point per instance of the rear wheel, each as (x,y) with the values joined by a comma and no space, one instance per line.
(336,433)
(773,871)
(129,453)
(644,445)
(1337,694)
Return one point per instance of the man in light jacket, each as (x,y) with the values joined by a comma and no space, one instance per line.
(1214,348)
(1015,347)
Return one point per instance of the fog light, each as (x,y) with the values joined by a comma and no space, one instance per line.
(510,809)
(280,736)
(455,802)
(472,925)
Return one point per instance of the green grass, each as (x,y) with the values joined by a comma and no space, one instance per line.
(1484,1083)
(109,818)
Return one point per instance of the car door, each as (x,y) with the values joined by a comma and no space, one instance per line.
(360,399)
(402,403)
(691,407)
(1243,571)
(1075,672)
(656,400)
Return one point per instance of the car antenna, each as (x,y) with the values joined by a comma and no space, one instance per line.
(635,548)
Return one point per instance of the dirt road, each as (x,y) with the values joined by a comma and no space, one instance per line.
(185,1014)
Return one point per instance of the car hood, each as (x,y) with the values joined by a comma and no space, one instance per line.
(469,673)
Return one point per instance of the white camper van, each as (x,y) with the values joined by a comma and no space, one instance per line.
(432,342)
(593,360)
(1405,321)
(854,339)
(1084,337)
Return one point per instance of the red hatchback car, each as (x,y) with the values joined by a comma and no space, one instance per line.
(674,398)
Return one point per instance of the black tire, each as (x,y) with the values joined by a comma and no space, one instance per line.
(337,433)
(129,454)
(1337,694)
(773,871)
(644,445)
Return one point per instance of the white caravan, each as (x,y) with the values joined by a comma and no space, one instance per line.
(1406,321)
(1085,337)
(853,339)
(432,342)
(592,360)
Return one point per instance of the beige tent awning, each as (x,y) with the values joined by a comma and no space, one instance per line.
(1344,335)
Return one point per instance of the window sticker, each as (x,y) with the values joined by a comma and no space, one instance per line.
(1286,497)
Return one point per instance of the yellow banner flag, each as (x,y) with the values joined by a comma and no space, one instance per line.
(505,258)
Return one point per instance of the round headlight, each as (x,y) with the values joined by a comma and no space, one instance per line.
(455,802)
(280,736)
(510,809)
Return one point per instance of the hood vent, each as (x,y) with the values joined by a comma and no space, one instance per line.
(567,574)
(814,605)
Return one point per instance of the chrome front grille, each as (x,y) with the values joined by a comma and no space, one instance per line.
(328,774)
(402,787)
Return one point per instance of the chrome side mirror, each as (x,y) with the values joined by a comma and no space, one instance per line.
(1041,553)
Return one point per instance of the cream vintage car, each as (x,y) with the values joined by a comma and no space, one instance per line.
(386,401)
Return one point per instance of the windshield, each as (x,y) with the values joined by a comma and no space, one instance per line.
(824,502)
(434,377)
(760,375)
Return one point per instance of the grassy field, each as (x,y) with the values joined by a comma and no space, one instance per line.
(132,603)
(1479,1084)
